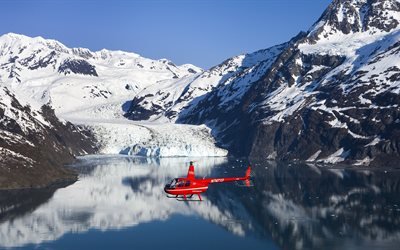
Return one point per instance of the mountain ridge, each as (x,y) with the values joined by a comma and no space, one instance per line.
(331,96)
(33,68)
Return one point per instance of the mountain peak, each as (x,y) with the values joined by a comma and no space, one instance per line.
(13,40)
(13,35)
(352,16)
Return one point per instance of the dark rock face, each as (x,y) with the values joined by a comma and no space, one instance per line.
(77,66)
(50,59)
(319,106)
(306,133)
(137,112)
(85,53)
(33,153)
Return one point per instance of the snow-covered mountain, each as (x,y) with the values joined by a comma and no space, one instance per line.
(95,89)
(45,71)
(170,98)
(332,93)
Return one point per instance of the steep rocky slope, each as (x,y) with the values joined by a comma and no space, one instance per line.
(331,95)
(34,144)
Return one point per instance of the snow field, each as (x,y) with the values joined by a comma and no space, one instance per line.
(152,139)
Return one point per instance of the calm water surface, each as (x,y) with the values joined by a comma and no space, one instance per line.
(118,203)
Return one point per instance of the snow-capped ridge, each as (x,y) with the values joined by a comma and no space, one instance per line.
(17,46)
(43,69)
(346,17)
(12,39)
(168,99)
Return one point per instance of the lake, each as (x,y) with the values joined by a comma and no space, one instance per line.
(119,203)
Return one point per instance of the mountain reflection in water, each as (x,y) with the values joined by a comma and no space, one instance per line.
(291,206)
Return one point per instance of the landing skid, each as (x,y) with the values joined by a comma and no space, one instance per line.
(185,197)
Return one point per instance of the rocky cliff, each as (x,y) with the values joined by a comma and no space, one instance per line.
(331,95)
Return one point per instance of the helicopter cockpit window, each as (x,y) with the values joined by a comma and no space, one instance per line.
(187,183)
(181,183)
(173,183)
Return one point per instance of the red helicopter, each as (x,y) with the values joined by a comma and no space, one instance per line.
(189,186)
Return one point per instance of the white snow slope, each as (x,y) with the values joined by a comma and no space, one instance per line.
(95,89)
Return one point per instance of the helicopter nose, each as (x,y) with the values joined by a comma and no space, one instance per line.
(166,188)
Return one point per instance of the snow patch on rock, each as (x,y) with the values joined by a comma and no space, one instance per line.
(339,156)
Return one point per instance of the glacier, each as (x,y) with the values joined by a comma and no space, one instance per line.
(95,89)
